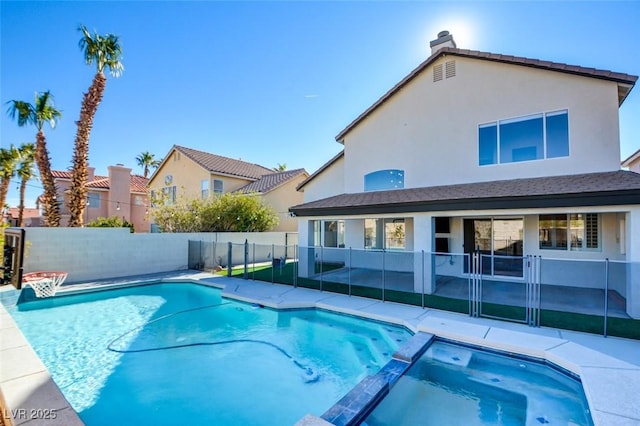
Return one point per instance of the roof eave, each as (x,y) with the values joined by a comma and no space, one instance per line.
(631,158)
(592,199)
(318,172)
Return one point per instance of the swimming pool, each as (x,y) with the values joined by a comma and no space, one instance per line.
(453,385)
(167,353)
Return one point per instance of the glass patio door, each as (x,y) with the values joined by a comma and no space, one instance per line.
(499,242)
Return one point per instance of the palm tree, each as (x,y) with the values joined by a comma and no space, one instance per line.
(105,51)
(146,160)
(26,172)
(280,167)
(42,112)
(8,162)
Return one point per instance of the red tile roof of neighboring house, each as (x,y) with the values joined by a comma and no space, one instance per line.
(271,181)
(99,182)
(224,165)
(27,212)
(625,81)
(60,174)
(138,183)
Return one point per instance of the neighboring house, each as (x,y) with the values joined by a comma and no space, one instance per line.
(118,194)
(633,162)
(189,173)
(476,151)
(30,216)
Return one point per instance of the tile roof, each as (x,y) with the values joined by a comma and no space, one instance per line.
(61,174)
(99,182)
(28,212)
(605,188)
(224,165)
(138,183)
(621,78)
(271,181)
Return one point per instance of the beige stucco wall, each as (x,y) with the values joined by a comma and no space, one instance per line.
(634,166)
(430,129)
(283,197)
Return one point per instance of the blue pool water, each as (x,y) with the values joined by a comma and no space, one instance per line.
(456,385)
(182,354)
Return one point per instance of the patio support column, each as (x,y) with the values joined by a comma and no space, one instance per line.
(423,239)
(632,221)
(304,241)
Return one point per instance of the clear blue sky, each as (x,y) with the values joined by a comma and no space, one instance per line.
(273,82)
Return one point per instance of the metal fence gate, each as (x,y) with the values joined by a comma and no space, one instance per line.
(524,308)
(13,257)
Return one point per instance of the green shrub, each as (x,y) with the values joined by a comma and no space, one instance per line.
(111,222)
(225,213)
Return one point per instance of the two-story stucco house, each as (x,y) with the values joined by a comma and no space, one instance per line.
(119,194)
(479,152)
(189,173)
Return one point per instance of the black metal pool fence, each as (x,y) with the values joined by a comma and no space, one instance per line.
(577,294)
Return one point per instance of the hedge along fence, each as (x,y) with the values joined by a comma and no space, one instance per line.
(89,254)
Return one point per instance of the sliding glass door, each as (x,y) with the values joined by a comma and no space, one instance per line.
(499,241)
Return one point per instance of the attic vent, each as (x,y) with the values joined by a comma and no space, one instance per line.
(437,72)
(450,68)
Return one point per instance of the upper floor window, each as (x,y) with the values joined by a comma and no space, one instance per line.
(169,194)
(204,189)
(217,187)
(93,200)
(384,179)
(533,137)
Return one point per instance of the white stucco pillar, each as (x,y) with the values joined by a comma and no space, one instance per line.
(632,221)
(305,236)
(423,240)
(354,239)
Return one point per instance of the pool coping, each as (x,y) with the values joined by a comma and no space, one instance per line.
(611,384)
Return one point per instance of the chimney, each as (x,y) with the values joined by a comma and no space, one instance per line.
(444,40)
(91,171)
(119,191)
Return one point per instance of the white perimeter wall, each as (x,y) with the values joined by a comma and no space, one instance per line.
(89,254)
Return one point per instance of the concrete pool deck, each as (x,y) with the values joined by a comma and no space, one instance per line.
(609,367)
